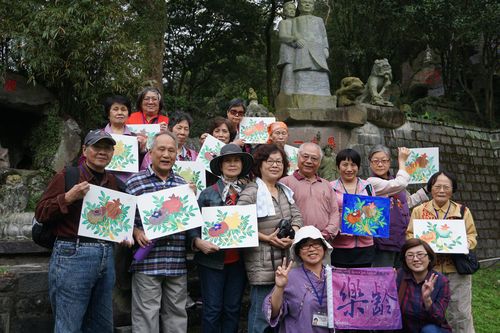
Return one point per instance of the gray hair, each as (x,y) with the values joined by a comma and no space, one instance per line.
(305,144)
(170,134)
(379,148)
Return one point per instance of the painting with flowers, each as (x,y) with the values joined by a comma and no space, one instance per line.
(192,172)
(211,147)
(230,226)
(169,211)
(148,130)
(126,154)
(444,236)
(365,215)
(422,164)
(254,129)
(293,156)
(107,214)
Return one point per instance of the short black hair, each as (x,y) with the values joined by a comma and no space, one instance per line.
(349,155)
(177,117)
(434,177)
(116,99)
(218,121)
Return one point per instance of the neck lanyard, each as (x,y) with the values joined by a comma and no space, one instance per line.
(355,190)
(446,214)
(320,299)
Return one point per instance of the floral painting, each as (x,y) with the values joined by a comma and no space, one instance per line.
(149,130)
(365,215)
(230,226)
(192,172)
(107,214)
(169,211)
(126,154)
(422,164)
(444,236)
(211,148)
(254,129)
(293,155)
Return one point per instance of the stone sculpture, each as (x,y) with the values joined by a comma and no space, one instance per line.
(254,109)
(328,169)
(380,78)
(287,48)
(350,89)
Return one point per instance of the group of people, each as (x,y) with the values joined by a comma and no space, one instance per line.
(298,229)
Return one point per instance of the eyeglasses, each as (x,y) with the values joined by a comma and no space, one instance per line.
(377,162)
(309,246)
(441,187)
(237,113)
(306,157)
(277,162)
(150,98)
(419,255)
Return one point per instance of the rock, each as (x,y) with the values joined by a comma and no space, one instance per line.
(383,116)
(4,157)
(18,94)
(69,147)
(350,116)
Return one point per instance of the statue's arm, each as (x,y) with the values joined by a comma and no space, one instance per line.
(285,33)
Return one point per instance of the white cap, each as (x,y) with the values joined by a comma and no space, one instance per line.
(313,233)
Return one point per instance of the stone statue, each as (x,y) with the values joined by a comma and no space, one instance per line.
(254,109)
(287,48)
(328,169)
(350,89)
(379,80)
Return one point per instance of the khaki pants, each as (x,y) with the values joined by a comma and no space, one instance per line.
(459,312)
(156,298)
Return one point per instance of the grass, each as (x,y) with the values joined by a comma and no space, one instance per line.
(486,299)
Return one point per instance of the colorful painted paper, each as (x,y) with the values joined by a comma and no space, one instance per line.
(293,156)
(107,214)
(149,130)
(211,148)
(192,172)
(444,236)
(363,299)
(169,211)
(365,215)
(254,129)
(422,164)
(230,226)
(126,154)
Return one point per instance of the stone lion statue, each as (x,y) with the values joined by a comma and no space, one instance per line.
(350,89)
(379,80)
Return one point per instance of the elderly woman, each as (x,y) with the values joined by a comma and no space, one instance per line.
(149,105)
(424,294)
(442,185)
(278,133)
(387,249)
(348,250)
(222,272)
(220,128)
(275,207)
(298,301)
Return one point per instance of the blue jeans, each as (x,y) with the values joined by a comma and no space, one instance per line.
(257,322)
(222,291)
(431,328)
(81,280)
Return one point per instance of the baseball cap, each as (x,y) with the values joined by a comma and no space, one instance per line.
(95,136)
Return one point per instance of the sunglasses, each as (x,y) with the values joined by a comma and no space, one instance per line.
(237,113)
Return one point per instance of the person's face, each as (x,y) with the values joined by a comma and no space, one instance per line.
(289,10)
(306,6)
(231,166)
(416,264)
(222,133)
(272,168)
(348,170)
(442,190)
(312,252)
(151,104)
(163,154)
(309,160)
(118,114)
(181,130)
(380,163)
(98,155)
(280,136)
(235,114)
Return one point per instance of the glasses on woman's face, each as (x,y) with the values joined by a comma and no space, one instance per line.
(237,113)
(383,161)
(445,188)
(272,162)
(151,98)
(419,255)
(312,245)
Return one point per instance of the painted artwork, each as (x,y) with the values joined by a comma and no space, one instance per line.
(293,156)
(126,154)
(149,130)
(107,214)
(422,164)
(444,236)
(254,129)
(211,148)
(365,215)
(363,299)
(192,172)
(230,226)
(169,211)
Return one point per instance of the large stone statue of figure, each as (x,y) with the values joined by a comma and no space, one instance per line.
(287,48)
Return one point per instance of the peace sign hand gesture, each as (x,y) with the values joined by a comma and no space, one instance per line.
(281,275)
(427,289)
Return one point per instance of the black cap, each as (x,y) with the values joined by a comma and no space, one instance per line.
(95,136)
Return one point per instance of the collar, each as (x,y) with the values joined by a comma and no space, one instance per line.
(152,173)
(126,130)
(89,174)
(409,276)
(443,209)
(300,177)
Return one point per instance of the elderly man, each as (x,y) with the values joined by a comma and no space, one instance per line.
(312,194)
(159,282)
(81,270)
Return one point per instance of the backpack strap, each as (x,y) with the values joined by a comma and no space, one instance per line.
(462,210)
(71,177)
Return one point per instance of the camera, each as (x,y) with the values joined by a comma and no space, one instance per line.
(285,229)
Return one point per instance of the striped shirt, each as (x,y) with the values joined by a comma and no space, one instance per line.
(168,255)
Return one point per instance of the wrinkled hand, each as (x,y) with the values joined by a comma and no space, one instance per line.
(163,127)
(205,246)
(192,186)
(403,154)
(428,287)
(143,140)
(140,238)
(301,43)
(239,142)
(77,192)
(281,274)
(283,243)
(202,138)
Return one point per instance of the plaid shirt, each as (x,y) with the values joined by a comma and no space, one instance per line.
(413,311)
(168,256)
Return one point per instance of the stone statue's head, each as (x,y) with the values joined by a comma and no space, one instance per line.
(306,6)
(381,67)
(289,9)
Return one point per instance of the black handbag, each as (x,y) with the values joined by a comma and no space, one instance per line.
(466,263)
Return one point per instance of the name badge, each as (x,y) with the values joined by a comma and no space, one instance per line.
(320,319)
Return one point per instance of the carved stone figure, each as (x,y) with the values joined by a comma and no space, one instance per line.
(328,169)
(350,89)
(379,80)
(287,48)
(254,109)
